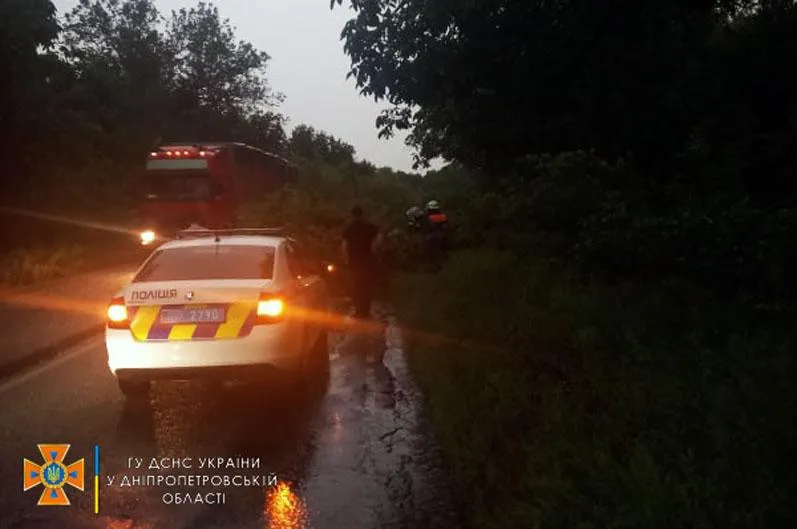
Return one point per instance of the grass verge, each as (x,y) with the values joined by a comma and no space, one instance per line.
(36,249)
(27,265)
(571,404)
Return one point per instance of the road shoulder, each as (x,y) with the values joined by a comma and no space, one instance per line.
(39,321)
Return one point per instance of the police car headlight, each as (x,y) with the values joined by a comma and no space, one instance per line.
(147,237)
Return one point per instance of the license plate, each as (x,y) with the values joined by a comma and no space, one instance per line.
(193,315)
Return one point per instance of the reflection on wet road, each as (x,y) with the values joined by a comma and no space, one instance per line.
(349,451)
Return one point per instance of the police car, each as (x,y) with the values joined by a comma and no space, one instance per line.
(224,304)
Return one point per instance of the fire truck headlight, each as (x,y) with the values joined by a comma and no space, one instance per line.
(147,237)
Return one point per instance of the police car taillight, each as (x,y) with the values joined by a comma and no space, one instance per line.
(270,308)
(117,314)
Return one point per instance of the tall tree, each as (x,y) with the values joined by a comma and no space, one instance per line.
(123,64)
(144,78)
(215,76)
(307,142)
(27,27)
(488,82)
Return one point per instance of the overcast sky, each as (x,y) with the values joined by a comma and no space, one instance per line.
(308,66)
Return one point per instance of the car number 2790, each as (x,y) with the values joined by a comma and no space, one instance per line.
(193,315)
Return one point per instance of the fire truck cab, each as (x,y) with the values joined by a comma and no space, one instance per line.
(205,183)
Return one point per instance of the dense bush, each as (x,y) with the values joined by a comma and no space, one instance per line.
(616,224)
(317,208)
(565,404)
(599,357)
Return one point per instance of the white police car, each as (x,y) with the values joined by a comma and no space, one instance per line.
(224,304)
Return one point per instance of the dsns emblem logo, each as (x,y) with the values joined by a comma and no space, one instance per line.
(53,474)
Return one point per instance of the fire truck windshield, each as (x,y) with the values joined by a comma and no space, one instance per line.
(163,185)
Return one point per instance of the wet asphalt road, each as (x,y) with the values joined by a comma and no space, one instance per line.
(349,451)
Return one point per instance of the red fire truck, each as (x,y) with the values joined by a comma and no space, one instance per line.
(205,184)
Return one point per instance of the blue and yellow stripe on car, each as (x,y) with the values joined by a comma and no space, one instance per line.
(145,325)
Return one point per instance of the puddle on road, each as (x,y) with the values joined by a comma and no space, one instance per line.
(375,465)
(367,461)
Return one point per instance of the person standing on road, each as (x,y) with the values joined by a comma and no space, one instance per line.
(360,242)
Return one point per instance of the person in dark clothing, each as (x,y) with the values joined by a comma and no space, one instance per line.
(435,237)
(360,241)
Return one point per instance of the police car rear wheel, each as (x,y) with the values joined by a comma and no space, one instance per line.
(310,367)
(318,363)
(134,389)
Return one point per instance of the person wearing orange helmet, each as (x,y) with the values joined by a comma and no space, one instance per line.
(435,236)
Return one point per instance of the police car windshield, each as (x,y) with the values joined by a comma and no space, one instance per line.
(218,261)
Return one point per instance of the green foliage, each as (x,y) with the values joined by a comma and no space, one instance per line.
(626,341)
(178,78)
(489,83)
(627,406)
(122,78)
(213,70)
(494,81)
(614,223)
(25,27)
(317,209)
(316,145)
